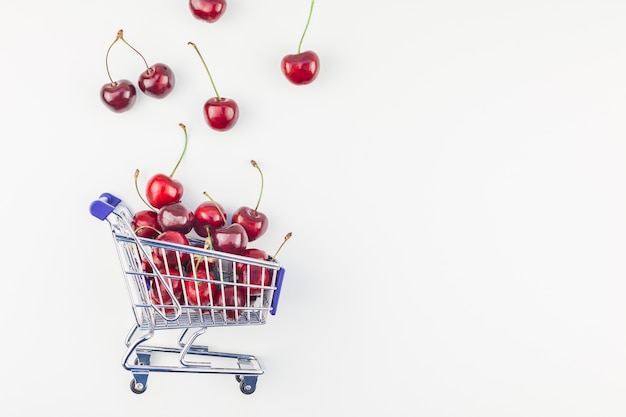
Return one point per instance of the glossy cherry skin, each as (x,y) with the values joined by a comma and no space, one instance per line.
(253,221)
(119,96)
(208,213)
(252,274)
(221,113)
(157,81)
(203,292)
(162,190)
(230,239)
(145,224)
(301,68)
(207,10)
(171,257)
(158,292)
(175,216)
(231,296)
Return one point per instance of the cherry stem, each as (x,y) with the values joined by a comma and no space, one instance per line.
(306,26)
(147,227)
(208,244)
(287,237)
(120,36)
(106,60)
(254,164)
(216,205)
(206,68)
(184,149)
(139,192)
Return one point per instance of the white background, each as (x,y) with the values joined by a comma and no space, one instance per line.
(454,181)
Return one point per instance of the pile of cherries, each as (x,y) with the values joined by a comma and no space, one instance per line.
(168,219)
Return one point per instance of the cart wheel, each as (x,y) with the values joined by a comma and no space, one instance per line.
(246,388)
(137,388)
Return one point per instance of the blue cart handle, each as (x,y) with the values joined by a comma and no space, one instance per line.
(103,206)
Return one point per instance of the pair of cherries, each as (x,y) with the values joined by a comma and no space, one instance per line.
(120,95)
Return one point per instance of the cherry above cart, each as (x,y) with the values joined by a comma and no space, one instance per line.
(187,288)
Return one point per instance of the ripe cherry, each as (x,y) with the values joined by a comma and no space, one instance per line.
(162,189)
(257,276)
(119,96)
(302,67)
(220,113)
(175,216)
(208,214)
(207,10)
(253,221)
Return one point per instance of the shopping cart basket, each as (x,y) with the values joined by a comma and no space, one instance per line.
(189,288)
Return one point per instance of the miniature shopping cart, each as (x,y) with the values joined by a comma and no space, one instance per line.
(187,288)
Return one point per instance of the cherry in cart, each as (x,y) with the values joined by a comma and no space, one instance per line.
(187,288)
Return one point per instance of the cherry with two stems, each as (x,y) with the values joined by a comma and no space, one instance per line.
(208,10)
(253,221)
(162,189)
(220,113)
(302,67)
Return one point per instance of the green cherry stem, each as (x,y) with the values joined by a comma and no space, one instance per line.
(254,164)
(306,26)
(184,149)
(206,68)
(216,205)
(139,192)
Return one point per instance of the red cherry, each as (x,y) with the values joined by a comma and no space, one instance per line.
(175,216)
(220,113)
(208,214)
(302,67)
(162,189)
(159,293)
(145,224)
(170,256)
(119,96)
(207,10)
(257,275)
(202,292)
(233,297)
(157,81)
(253,221)
(230,239)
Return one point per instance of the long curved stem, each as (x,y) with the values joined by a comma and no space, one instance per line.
(120,35)
(306,26)
(106,59)
(254,164)
(139,192)
(206,68)
(184,149)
